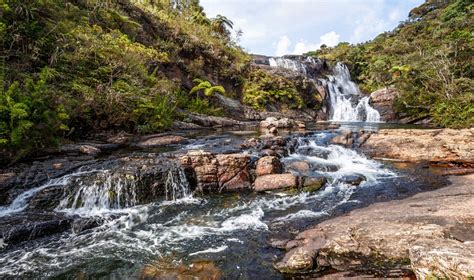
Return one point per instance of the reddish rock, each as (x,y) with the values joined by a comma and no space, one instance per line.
(268,165)
(275,181)
(217,173)
(299,166)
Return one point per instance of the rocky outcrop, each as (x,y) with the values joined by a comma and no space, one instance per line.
(217,173)
(432,145)
(382,101)
(430,234)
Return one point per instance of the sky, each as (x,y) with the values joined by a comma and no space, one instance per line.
(279,27)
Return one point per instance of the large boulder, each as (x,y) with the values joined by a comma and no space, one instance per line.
(382,100)
(217,173)
(268,165)
(273,122)
(275,182)
(430,234)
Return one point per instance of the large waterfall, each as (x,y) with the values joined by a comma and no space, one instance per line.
(345,101)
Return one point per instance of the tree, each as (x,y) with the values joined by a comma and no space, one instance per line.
(207,87)
(221,25)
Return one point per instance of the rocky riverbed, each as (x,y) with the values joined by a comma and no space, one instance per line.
(223,195)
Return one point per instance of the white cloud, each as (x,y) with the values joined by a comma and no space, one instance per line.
(330,39)
(282,46)
(267,21)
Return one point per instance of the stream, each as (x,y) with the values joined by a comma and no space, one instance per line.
(222,234)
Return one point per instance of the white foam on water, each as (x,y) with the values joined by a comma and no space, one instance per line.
(20,203)
(346,101)
(210,250)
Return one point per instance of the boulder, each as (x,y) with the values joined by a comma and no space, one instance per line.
(217,173)
(302,167)
(275,182)
(89,150)
(382,100)
(271,122)
(312,184)
(160,140)
(268,165)
(354,180)
(430,233)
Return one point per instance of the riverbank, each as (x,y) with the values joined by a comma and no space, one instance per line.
(429,234)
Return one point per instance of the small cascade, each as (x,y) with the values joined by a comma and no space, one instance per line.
(107,191)
(177,186)
(20,203)
(346,102)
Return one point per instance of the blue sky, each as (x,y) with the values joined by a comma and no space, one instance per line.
(278,27)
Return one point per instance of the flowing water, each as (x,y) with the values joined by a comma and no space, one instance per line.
(229,230)
(346,103)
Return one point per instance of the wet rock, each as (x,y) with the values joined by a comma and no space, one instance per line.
(278,243)
(325,167)
(344,138)
(161,140)
(123,182)
(167,269)
(185,125)
(382,100)
(301,167)
(273,130)
(89,150)
(268,165)
(83,224)
(121,139)
(30,226)
(217,173)
(275,182)
(269,152)
(212,121)
(353,180)
(312,184)
(392,235)
(300,260)
(433,145)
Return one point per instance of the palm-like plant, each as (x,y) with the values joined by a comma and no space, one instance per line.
(206,87)
(221,25)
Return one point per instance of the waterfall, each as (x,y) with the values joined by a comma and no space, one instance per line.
(107,191)
(346,102)
(177,186)
(292,64)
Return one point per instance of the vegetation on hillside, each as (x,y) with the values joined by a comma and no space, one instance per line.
(428,58)
(69,68)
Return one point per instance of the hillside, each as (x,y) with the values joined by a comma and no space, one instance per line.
(74,68)
(428,59)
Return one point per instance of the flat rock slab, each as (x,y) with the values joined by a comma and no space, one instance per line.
(161,140)
(434,145)
(430,233)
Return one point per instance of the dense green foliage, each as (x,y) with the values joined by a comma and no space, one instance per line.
(263,88)
(69,68)
(428,58)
